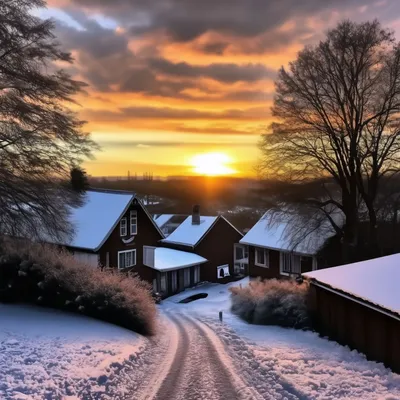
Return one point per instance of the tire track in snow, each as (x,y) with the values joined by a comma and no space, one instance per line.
(270,384)
(197,372)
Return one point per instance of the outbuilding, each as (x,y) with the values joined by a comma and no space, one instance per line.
(359,305)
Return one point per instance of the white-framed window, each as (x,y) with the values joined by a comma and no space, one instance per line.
(290,264)
(196,273)
(126,259)
(241,252)
(122,227)
(262,257)
(133,222)
(285,264)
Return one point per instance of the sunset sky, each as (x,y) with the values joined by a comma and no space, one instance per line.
(171,81)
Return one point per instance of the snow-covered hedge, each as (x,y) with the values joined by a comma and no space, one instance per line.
(42,275)
(272,302)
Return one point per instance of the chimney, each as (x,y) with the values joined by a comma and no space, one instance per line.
(196,215)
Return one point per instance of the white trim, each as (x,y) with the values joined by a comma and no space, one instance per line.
(123,232)
(133,251)
(129,240)
(225,268)
(150,217)
(133,216)
(233,226)
(355,300)
(117,221)
(281,255)
(266,257)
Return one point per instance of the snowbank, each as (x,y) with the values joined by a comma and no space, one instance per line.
(311,366)
(49,354)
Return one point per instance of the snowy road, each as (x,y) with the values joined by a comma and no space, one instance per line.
(196,372)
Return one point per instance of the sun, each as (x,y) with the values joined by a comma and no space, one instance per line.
(212,164)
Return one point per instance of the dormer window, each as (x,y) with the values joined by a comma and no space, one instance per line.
(133,222)
(123,231)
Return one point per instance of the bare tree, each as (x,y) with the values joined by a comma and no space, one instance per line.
(40,138)
(337,110)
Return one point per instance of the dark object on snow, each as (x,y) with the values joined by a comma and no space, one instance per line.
(299,279)
(157,297)
(194,297)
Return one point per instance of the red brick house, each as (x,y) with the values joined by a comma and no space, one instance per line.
(271,253)
(211,237)
(113,229)
(110,229)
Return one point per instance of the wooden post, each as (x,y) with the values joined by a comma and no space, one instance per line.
(220,316)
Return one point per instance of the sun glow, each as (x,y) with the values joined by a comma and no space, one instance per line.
(212,164)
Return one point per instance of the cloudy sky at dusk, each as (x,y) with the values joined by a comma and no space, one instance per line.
(172,79)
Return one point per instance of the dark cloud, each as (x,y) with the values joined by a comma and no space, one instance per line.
(213,47)
(227,73)
(168,113)
(185,20)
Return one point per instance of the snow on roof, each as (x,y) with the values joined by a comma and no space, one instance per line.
(163,219)
(188,234)
(376,281)
(276,236)
(95,219)
(169,259)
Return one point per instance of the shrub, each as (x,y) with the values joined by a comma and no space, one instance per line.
(272,302)
(53,278)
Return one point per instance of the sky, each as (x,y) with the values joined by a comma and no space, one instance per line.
(182,87)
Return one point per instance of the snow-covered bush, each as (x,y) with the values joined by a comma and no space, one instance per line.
(53,278)
(272,302)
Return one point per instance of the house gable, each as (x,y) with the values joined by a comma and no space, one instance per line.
(147,234)
(217,246)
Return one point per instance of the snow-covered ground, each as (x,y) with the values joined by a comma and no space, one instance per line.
(46,354)
(310,367)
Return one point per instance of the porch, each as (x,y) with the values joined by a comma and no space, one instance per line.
(175,270)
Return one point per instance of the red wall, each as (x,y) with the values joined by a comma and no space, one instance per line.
(369,331)
(147,235)
(264,273)
(217,247)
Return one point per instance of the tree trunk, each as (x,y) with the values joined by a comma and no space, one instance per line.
(350,230)
(373,244)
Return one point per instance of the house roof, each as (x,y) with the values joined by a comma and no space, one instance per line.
(162,219)
(188,234)
(95,219)
(375,281)
(275,236)
(169,259)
